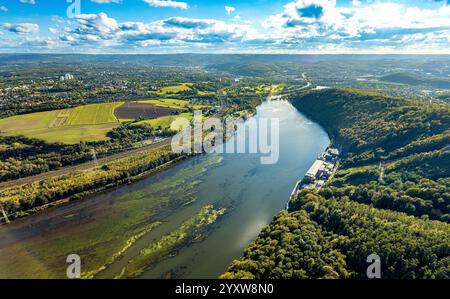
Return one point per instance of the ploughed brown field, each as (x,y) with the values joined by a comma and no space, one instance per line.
(131,110)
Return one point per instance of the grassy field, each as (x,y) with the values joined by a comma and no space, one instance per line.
(167,122)
(168,103)
(93,114)
(175,89)
(277,88)
(84,123)
(271,89)
(205,93)
(126,120)
(173,103)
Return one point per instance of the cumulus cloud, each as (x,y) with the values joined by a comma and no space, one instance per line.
(3,8)
(167,3)
(98,24)
(20,28)
(322,21)
(315,25)
(100,29)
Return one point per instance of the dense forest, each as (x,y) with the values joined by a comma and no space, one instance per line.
(390,196)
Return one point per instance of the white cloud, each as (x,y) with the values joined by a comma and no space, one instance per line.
(3,8)
(53,30)
(40,43)
(99,24)
(100,29)
(302,25)
(20,28)
(229,9)
(321,21)
(167,3)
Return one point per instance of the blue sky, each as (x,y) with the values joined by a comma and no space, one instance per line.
(233,26)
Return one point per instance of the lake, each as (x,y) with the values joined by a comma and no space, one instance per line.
(110,229)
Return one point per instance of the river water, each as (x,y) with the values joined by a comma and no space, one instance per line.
(252,193)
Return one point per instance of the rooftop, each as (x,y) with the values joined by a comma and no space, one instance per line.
(318,164)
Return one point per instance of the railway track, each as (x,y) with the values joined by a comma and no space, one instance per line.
(83,166)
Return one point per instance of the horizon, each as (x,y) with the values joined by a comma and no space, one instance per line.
(225,54)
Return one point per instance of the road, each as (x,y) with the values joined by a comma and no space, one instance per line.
(288,93)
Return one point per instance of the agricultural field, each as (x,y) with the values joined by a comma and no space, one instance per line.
(93,114)
(168,122)
(157,113)
(175,89)
(168,103)
(140,110)
(205,93)
(277,88)
(69,126)
(272,89)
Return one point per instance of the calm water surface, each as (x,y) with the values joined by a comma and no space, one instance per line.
(254,192)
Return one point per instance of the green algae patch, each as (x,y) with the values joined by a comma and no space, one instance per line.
(192,230)
(103,232)
(128,243)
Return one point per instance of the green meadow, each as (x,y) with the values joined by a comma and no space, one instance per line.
(69,126)
(167,103)
(168,122)
(175,89)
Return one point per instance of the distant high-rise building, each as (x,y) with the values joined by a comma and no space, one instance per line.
(66,77)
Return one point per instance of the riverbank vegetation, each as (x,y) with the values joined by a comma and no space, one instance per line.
(19,201)
(332,238)
(111,232)
(192,230)
(389,197)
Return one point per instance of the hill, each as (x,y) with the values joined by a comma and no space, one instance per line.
(412,79)
(329,233)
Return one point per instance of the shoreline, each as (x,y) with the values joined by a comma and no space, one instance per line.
(319,174)
(86,195)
